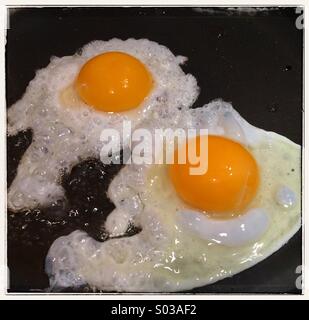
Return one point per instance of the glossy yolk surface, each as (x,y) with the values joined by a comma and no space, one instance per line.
(229,184)
(113,82)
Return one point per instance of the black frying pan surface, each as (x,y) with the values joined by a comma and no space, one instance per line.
(253,60)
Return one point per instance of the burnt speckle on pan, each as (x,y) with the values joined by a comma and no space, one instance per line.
(251,58)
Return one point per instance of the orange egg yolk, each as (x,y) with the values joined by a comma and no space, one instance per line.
(229,184)
(113,82)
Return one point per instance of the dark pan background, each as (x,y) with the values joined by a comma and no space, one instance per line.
(252,59)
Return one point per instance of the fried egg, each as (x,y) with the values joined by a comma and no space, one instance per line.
(69,102)
(195,229)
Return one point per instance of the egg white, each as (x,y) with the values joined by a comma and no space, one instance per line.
(66,130)
(167,256)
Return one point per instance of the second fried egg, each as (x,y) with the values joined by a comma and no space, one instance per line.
(185,242)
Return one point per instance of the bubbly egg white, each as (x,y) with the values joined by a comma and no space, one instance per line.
(66,131)
(166,255)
